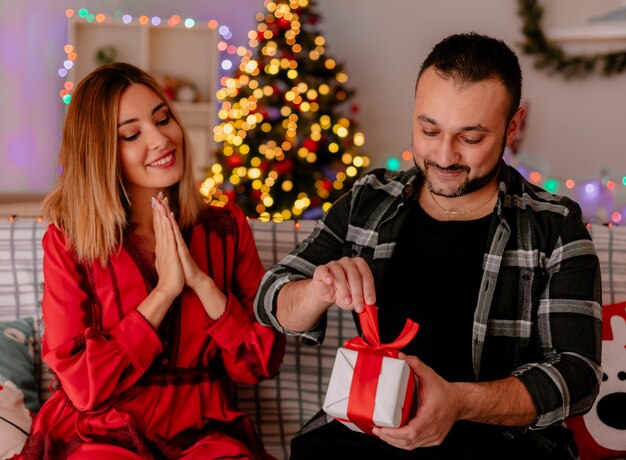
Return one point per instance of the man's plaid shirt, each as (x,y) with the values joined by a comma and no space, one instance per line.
(538,314)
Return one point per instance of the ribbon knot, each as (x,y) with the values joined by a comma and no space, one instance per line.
(370,342)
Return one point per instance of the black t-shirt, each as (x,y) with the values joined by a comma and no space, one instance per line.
(434,279)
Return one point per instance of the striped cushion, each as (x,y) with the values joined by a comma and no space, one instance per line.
(280,406)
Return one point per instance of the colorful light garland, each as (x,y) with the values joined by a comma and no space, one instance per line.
(173,21)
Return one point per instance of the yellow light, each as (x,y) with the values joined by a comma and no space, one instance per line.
(268,201)
(342,77)
(351,171)
(326,206)
(341,176)
(330,64)
(324,89)
(342,132)
(216,168)
(263,216)
(311,157)
(346,158)
(296,49)
(286,214)
(320,41)
(314,55)
(333,147)
(234,179)
(311,94)
(257,184)
(285,111)
(305,107)
(358,139)
(325,121)
(358,162)
(286,145)
(293,73)
(240,171)
(316,136)
(287,185)
(255,162)
(268,90)
(266,127)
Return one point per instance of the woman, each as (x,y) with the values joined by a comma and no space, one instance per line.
(148,296)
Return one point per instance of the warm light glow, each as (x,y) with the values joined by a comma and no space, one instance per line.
(535,177)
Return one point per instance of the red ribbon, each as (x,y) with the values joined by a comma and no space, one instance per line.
(369,361)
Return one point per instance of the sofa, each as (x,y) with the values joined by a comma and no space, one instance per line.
(279,406)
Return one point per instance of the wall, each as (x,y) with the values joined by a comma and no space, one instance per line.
(574,128)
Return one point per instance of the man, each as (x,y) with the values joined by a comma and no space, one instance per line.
(501,276)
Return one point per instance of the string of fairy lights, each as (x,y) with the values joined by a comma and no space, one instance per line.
(602,198)
(119,17)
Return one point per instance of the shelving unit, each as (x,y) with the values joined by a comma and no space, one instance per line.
(190,54)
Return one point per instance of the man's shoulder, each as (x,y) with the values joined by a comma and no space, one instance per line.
(381,179)
(524,194)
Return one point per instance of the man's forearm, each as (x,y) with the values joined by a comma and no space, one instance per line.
(296,309)
(503,402)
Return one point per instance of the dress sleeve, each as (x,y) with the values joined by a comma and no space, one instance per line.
(569,327)
(251,351)
(91,364)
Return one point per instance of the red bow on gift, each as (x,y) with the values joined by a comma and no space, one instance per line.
(368,365)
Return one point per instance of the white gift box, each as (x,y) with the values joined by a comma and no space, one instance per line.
(390,391)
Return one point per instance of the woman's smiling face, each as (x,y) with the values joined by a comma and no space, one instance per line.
(150,141)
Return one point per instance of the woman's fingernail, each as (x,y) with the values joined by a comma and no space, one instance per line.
(153,202)
(165,200)
(161,195)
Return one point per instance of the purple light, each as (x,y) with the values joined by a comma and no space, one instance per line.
(156,20)
(62,73)
(127,18)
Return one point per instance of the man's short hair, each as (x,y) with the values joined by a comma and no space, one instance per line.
(471,58)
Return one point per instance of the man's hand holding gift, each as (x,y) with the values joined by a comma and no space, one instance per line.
(439,409)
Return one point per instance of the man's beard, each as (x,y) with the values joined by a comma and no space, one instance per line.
(469,186)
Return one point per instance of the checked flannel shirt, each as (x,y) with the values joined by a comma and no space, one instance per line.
(538,314)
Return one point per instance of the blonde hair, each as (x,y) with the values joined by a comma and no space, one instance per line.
(89,202)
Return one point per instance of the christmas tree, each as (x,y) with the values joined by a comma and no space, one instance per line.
(285,149)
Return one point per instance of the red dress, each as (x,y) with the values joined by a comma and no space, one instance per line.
(161,394)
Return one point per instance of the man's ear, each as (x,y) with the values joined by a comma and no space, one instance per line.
(515,125)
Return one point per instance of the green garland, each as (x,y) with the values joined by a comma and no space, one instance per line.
(553,58)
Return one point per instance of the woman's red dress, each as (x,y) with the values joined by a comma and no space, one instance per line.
(157,394)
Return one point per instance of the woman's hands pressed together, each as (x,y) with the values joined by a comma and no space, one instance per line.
(173,260)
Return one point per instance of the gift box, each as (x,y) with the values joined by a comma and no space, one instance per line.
(369,386)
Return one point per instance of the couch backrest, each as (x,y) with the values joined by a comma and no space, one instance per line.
(280,406)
